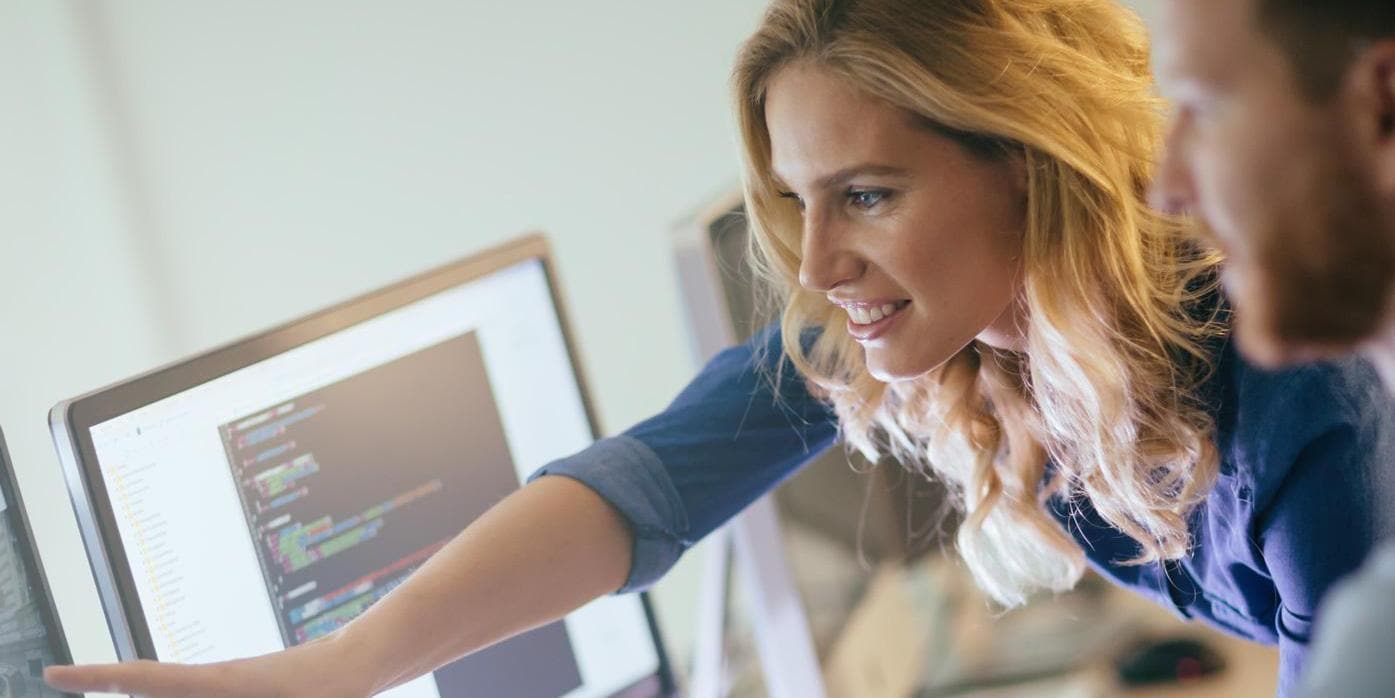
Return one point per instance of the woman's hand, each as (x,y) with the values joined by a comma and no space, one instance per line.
(322,669)
(485,574)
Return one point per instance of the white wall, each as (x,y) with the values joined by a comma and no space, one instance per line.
(175,174)
(75,309)
(178,174)
(1147,9)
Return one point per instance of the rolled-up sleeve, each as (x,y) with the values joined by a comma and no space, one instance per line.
(743,425)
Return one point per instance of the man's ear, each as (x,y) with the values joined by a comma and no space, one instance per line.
(1386,124)
(1370,88)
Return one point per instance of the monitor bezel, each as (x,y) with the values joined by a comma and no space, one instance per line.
(71,421)
(34,572)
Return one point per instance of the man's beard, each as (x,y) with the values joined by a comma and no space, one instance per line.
(1321,276)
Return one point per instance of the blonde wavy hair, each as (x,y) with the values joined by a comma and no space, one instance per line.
(1104,403)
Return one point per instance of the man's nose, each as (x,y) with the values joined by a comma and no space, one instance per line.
(1173,189)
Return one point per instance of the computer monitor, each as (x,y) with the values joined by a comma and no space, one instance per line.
(265,493)
(30,637)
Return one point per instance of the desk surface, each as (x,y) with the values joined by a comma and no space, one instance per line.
(1251,669)
(886,646)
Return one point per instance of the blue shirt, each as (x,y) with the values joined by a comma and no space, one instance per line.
(1351,656)
(1307,468)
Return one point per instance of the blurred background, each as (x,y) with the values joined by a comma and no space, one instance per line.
(176,174)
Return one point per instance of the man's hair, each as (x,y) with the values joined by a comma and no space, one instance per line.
(1321,38)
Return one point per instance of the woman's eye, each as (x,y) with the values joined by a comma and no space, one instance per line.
(867,199)
(798,202)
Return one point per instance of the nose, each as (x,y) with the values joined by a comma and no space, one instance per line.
(827,261)
(1173,189)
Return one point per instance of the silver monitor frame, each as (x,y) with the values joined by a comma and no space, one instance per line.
(70,421)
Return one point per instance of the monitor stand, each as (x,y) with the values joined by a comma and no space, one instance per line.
(721,312)
(784,644)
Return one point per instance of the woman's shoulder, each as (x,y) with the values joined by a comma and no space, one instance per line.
(1268,420)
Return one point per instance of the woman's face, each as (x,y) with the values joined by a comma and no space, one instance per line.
(916,238)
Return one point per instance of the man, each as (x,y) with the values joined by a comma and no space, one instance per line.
(1283,147)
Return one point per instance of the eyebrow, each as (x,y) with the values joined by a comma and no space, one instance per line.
(842,176)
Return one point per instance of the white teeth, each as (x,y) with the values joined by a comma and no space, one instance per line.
(865,316)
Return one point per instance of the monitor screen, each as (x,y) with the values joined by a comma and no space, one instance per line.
(29,638)
(270,505)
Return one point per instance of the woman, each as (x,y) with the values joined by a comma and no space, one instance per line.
(950,196)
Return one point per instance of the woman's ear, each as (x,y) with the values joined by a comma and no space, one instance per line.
(1017,162)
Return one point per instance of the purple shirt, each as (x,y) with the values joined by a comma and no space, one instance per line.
(1307,472)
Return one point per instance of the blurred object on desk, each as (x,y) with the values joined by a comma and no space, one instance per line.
(1252,669)
(925,630)
(1154,661)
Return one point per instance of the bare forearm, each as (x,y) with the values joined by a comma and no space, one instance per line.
(537,555)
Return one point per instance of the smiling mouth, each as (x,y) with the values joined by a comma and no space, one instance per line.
(867,315)
(869,322)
